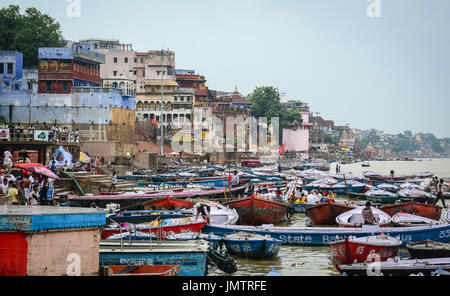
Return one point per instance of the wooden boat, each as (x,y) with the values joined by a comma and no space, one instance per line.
(350,250)
(353,218)
(300,208)
(425,210)
(256,211)
(190,255)
(323,236)
(383,178)
(428,249)
(141,270)
(388,187)
(249,245)
(162,231)
(146,216)
(380,196)
(416,195)
(405,219)
(213,240)
(399,267)
(168,203)
(326,213)
(135,201)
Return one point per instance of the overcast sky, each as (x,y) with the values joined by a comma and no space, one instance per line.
(390,72)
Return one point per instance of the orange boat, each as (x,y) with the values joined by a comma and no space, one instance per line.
(141,270)
(256,211)
(326,213)
(428,211)
(168,203)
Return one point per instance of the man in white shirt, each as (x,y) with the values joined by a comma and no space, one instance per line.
(4,188)
(311,198)
(235,180)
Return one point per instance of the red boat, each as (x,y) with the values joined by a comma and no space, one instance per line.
(428,211)
(141,270)
(326,213)
(256,211)
(168,203)
(379,247)
(161,231)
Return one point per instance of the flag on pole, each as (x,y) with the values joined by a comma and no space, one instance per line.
(281,151)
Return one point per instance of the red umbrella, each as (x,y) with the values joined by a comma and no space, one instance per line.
(37,168)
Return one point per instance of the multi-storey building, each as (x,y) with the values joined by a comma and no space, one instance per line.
(11,63)
(62,68)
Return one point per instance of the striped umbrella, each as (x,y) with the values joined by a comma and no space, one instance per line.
(84,158)
(37,168)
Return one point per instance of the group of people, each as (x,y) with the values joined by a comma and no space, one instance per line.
(25,188)
(312,197)
(55,133)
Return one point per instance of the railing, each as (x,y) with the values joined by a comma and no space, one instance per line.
(87,89)
(28,135)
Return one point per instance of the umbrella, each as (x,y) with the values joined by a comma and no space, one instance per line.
(37,168)
(84,158)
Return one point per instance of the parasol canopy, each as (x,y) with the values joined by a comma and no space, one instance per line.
(37,168)
(84,158)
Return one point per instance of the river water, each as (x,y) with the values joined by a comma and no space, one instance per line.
(316,261)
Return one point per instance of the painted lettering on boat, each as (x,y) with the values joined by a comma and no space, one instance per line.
(295,239)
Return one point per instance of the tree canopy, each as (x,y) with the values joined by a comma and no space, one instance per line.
(266,102)
(27,32)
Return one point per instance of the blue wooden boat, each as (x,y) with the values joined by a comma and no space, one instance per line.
(190,255)
(135,235)
(250,245)
(322,236)
(381,196)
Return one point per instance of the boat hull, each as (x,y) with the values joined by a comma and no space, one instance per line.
(323,236)
(253,249)
(255,211)
(162,231)
(144,270)
(424,210)
(381,199)
(347,252)
(168,203)
(191,263)
(326,213)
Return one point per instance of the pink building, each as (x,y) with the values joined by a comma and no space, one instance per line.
(297,138)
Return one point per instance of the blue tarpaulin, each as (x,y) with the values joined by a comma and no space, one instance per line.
(61,156)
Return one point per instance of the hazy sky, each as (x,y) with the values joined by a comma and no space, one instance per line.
(390,73)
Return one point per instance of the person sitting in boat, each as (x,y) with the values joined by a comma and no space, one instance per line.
(311,198)
(367,214)
(303,198)
(265,190)
(318,194)
(278,195)
(324,198)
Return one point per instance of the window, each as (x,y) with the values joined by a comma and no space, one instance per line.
(53,65)
(114,73)
(126,60)
(135,60)
(135,72)
(115,60)
(1,68)
(65,86)
(10,68)
(65,65)
(49,86)
(142,60)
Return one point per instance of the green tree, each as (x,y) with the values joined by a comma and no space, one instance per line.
(363,143)
(328,139)
(26,33)
(266,103)
(436,146)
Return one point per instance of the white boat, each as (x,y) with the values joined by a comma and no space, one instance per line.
(220,214)
(405,219)
(388,187)
(353,218)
